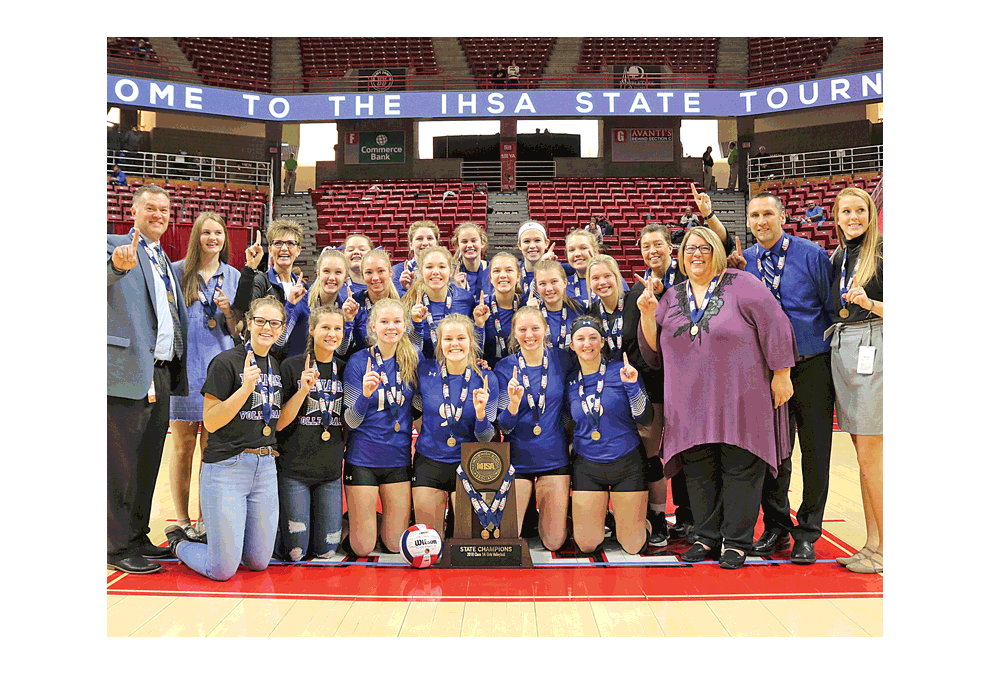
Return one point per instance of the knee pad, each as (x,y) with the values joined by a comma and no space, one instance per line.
(654,469)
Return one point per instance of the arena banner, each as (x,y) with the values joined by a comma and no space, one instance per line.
(156,95)
(642,145)
(375,147)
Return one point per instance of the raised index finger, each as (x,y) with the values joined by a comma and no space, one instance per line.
(486,383)
(369,366)
(307,362)
(137,238)
(625,359)
(515,372)
(257,238)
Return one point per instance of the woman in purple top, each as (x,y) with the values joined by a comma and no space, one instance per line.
(727,350)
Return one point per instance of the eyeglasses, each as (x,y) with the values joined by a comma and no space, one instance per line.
(278,243)
(704,248)
(260,323)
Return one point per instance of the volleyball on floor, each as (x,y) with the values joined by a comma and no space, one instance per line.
(420,546)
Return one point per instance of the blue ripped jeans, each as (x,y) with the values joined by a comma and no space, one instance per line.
(239,500)
(311,509)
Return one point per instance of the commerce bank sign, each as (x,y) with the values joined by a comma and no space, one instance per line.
(158,95)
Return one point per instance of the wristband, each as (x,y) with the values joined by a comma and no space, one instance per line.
(709,215)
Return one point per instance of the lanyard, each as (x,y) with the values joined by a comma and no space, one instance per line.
(576,280)
(696,313)
(668,276)
(565,328)
(429,315)
(842,281)
(774,284)
(447,407)
(264,386)
(544,370)
(153,257)
(329,401)
(500,338)
(392,392)
(207,298)
(616,327)
(595,412)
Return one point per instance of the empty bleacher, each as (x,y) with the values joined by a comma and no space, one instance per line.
(243,211)
(333,57)
(776,60)
(239,63)
(484,54)
(344,207)
(684,55)
(628,203)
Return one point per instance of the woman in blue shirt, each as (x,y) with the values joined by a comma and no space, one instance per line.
(376,269)
(203,274)
(549,295)
(330,289)
(459,404)
(470,243)
(433,296)
(531,401)
(505,300)
(378,389)
(606,401)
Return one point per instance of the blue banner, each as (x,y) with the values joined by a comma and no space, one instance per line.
(153,95)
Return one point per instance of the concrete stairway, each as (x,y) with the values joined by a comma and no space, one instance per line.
(508,210)
(564,58)
(730,207)
(286,63)
(168,50)
(733,56)
(844,49)
(301,210)
(450,57)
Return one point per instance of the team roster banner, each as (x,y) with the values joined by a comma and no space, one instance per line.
(154,95)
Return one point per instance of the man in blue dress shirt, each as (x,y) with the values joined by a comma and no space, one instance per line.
(798,272)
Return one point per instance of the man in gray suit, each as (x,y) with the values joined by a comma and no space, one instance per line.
(146,337)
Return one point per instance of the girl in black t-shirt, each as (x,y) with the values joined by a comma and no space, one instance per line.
(311,443)
(242,398)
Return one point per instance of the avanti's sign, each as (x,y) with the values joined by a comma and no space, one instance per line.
(154,95)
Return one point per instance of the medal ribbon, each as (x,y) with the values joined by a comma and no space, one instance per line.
(391,391)
(267,394)
(544,369)
(773,281)
(565,328)
(668,276)
(153,257)
(209,306)
(446,398)
(500,339)
(595,413)
(696,313)
(616,327)
(488,515)
(429,315)
(329,401)
(576,280)
(842,277)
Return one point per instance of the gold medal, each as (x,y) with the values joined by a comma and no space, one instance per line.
(844,313)
(212,323)
(495,533)
(694,329)
(171,298)
(267,431)
(595,435)
(485,534)
(451,442)
(396,426)
(537,430)
(326,436)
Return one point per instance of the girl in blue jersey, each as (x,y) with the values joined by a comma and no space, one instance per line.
(549,294)
(470,267)
(581,247)
(531,400)
(376,271)
(534,244)
(330,290)
(619,317)
(311,441)
(459,403)
(356,246)
(379,383)
(423,234)
(606,402)
(433,296)
(242,399)
(505,300)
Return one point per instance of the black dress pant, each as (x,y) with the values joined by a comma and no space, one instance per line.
(724,483)
(135,438)
(679,496)
(811,409)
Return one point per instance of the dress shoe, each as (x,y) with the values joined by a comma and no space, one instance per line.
(152,551)
(680,530)
(175,535)
(731,559)
(135,565)
(803,553)
(697,553)
(771,541)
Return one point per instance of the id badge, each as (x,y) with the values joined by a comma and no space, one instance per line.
(151,391)
(866,358)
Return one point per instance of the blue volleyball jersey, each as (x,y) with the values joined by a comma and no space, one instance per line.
(397,275)
(622,407)
(478,281)
(560,324)
(372,440)
(436,428)
(577,288)
(530,453)
(619,341)
(494,350)
(527,277)
(353,285)
(462,302)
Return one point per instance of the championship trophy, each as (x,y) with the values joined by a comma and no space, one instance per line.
(486,524)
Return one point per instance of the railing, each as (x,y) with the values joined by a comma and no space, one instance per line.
(527,172)
(868,159)
(316,82)
(878,194)
(189,167)
(482,172)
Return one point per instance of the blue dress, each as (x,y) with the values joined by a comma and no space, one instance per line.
(202,342)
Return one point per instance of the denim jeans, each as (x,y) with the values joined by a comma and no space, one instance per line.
(310,509)
(239,500)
